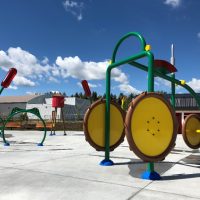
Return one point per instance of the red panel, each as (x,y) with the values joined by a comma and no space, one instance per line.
(58,101)
(162,64)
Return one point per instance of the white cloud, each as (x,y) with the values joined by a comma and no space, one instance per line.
(198,35)
(90,85)
(30,70)
(162,82)
(75,8)
(127,89)
(74,67)
(27,65)
(45,61)
(22,81)
(173,3)
(30,93)
(194,84)
(13,87)
(54,80)
(55,70)
(119,76)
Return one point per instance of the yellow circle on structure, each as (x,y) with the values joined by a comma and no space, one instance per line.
(152,126)
(192,125)
(96,124)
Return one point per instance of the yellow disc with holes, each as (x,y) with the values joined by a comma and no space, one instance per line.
(191,131)
(94,125)
(151,126)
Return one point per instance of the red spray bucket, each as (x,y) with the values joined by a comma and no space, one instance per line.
(86,88)
(58,101)
(9,77)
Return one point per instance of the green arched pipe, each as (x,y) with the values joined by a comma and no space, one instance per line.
(16,111)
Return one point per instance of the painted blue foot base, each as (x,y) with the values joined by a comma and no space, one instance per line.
(7,144)
(150,175)
(40,145)
(106,162)
(51,134)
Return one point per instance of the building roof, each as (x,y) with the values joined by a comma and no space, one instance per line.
(17,99)
(185,102)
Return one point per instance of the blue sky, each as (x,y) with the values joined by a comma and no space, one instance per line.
(54,44)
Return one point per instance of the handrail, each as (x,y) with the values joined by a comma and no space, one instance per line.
(141,38)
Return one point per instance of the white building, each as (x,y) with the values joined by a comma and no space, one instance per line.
(74,108)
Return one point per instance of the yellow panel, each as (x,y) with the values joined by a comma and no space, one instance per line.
(152,126)
(96,124)
(192,125)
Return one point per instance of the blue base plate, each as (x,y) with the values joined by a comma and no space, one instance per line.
(106,162)
(40,144)
(150,175)
(6,144)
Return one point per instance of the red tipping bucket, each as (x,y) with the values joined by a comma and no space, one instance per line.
(9,77)
(58,101)
(86,88)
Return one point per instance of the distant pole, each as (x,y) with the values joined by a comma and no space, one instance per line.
(172,60)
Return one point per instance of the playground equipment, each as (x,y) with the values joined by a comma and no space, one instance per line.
(150,124)
(86,88)
(94,125)
(57,102)
(151,127)
(5,83)
(191,131)
(16,111)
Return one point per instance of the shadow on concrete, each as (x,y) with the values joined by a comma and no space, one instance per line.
(191,160)
(180,176)
(137,168)
(180,151)
(8,136)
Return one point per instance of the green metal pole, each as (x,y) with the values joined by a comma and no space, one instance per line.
(107,117)
(150,165)
(173,91)
(1,90)
(172,61)
(150,72)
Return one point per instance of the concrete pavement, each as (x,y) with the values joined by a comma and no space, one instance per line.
(66,167)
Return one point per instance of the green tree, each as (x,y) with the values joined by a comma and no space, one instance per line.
(76,95)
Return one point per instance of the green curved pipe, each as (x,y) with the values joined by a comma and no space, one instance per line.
(141,38)
(16,111)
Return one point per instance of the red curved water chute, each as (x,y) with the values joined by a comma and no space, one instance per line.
(9,77)
(86,88)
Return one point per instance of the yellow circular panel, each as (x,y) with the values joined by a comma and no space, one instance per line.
(190,133)
(151,127)
(95,125)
